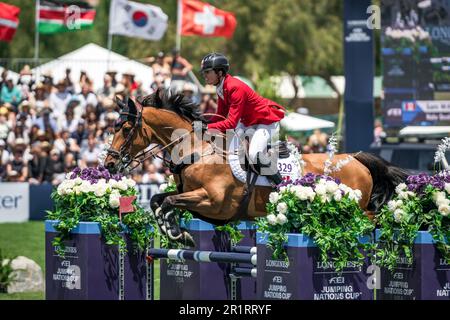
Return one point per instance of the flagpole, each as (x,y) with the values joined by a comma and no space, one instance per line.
(36,34)
(110,35)
(179,18)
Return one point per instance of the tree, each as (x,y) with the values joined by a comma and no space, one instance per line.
(297,37)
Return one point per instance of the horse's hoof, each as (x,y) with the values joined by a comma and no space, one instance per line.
(188,241)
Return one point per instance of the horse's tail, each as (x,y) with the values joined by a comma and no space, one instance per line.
(385,177)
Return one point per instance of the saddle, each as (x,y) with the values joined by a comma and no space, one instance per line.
(253,171)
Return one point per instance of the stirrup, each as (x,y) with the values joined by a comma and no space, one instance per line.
(275,179)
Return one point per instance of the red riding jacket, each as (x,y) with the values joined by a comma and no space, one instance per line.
(240,102)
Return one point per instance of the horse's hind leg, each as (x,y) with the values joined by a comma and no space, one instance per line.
(155,204)
(192,200)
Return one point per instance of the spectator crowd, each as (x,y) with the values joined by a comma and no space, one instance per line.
(50,126)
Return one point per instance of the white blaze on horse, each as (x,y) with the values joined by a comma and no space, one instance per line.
(206,184)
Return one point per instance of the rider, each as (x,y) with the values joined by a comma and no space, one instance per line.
(243,109)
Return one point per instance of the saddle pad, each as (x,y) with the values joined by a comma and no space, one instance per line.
(287,167)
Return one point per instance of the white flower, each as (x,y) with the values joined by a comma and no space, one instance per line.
(69,191)
(130,183)
(398,215)
(321,189)
(115,193)
(442,202)
(274,197)
(394,204)
(85,187)
(405,195)
(78,189)
(171,179)
(447,187)
(61,189)
(358,194)
(281,219)
(400,188)
(78,180)
(114,202)
(100,190)
(444,210)
(163,187)
(331,186)
(282,207)
(311,194)
(69,184)
(68,175)
(284,189)
(122,185)
(272,219)
(337,195)
(438,196)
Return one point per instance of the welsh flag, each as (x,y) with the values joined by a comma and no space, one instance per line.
(61,16)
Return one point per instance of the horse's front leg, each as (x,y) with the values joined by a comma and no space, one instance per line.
(193,200)
(155,204)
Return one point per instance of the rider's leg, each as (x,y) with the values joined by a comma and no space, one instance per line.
(263,135)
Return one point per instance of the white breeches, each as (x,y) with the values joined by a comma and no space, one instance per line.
(260,136)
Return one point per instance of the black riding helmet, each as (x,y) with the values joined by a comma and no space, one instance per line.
(215,61)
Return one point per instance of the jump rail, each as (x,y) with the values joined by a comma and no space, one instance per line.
(203,256)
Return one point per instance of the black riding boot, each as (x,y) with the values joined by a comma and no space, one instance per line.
(276,178)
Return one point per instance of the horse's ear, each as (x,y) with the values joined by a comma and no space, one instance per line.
(158,98)
(120,103)
(134,105)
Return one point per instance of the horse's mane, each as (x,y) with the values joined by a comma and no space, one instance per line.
(178,103)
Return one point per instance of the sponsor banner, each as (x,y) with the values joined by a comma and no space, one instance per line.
(37,200)
(14,202)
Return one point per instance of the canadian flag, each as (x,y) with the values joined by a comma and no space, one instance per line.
(202,19)
(9,21)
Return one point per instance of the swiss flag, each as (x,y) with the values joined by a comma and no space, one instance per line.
(202,19)
(9,21)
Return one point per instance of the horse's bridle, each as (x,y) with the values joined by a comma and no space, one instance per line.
(123,156)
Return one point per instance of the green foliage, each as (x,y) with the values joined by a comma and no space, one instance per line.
(402,218)
(233,232)
(74,207)
(335,223)
(6,272)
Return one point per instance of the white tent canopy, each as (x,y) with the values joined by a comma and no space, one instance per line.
(300,122)
(95,61)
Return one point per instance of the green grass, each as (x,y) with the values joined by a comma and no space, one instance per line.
(24,239)
(28,239)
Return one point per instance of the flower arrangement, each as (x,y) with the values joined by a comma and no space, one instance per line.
(322,208)
(93,194)
(422,203)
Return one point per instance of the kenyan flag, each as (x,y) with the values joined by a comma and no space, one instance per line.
(61,16)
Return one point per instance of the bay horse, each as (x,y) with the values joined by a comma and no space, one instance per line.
(207,187)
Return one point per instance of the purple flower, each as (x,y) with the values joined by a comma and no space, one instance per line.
(308,180)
